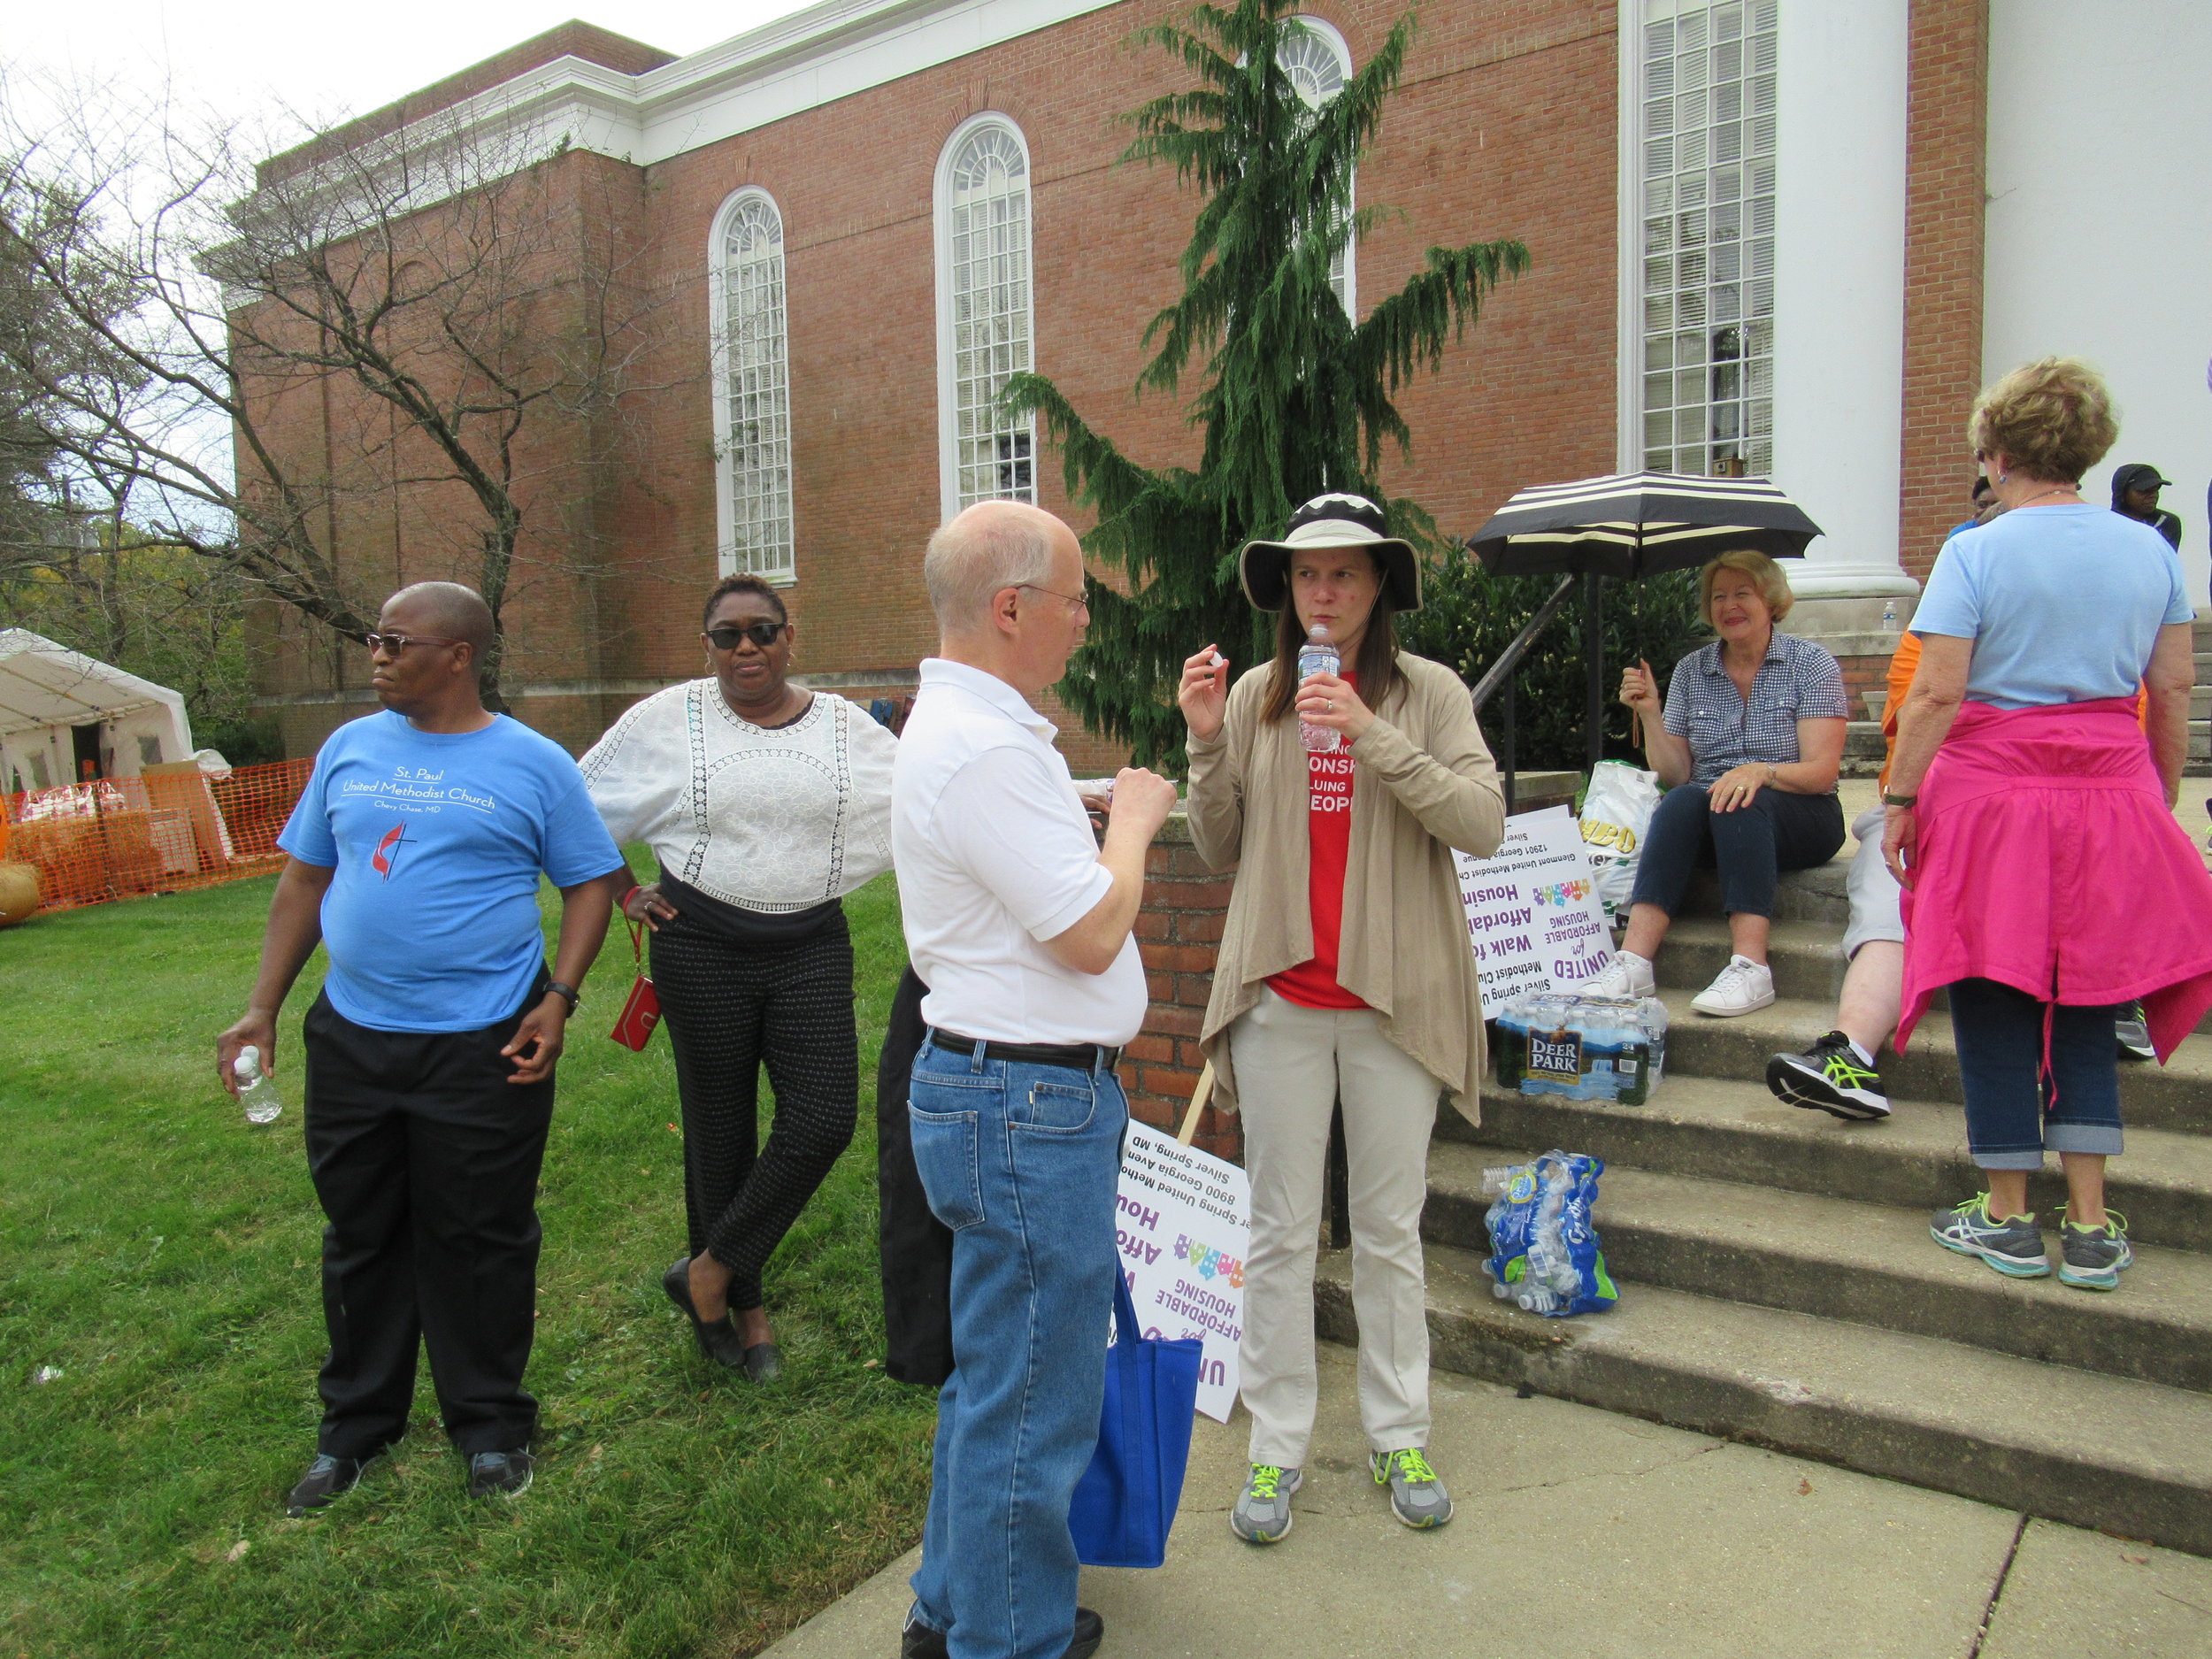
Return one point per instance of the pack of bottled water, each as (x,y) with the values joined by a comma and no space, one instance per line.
(1585,1048)
(1544,1253)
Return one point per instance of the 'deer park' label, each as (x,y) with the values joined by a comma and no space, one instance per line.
(1556,1056)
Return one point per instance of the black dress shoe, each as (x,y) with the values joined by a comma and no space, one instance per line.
(719,1340)
(763,1363)
(500,1474)
(918,1640)
(326,1479)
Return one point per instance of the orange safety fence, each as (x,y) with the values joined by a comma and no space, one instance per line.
(174,827)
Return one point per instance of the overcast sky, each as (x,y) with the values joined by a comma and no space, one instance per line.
(324,62)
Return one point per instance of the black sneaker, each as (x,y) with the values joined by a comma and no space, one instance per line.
(918,1640)
(327,1479)
(2132,1035)
(1828,1077)
(500,1474)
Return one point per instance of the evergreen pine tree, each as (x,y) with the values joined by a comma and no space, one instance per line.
(1297,395)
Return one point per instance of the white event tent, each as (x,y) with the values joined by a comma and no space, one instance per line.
(59,707)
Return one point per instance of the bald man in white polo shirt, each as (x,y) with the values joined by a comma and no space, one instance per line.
(1018,921)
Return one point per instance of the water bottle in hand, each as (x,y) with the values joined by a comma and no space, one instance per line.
(256,1092)
(1319,656)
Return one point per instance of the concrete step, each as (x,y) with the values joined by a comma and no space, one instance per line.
(2133,1458)
(1806,956)
(1735,1131)
(2176,1095)
(1868,1264)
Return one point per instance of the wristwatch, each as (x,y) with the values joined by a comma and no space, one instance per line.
(1898,800)
(566,993)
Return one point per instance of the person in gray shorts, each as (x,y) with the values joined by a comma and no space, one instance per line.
(1838,1074)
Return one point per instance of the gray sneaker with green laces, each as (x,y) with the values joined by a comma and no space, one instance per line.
(1261,1515)
(1417,1496)
(2014,1246)
(2090,1259)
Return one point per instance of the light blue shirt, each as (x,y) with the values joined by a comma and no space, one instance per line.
(2063,603)
(432,919)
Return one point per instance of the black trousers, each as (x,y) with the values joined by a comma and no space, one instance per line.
(426,1159)
(914,1247)
(1752,845)
(729,1008)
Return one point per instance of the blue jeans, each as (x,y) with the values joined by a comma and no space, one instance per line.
(1752,845)
(1998,1032)
(1021,1162)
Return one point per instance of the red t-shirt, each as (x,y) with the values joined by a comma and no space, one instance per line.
(1329,835)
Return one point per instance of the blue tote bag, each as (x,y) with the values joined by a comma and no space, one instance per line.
(1125,1502)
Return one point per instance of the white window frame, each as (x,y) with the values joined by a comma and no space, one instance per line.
(1753,320)
(947,390)
(1344,271)
(780,565)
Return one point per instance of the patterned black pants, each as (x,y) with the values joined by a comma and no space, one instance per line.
(729,1008)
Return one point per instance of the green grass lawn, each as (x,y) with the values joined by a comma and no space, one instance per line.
(162,1255)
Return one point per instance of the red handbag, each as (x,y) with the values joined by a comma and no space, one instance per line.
(641,1010)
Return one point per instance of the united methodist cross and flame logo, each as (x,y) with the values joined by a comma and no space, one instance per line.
(388,849)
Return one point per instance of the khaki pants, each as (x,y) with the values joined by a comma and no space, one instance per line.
(1291,1064)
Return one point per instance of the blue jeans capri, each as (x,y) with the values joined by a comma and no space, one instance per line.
(2011,1119)
(1752,846)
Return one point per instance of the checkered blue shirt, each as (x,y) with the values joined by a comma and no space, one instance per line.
(1798,680)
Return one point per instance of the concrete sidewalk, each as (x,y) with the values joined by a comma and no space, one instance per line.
(1581,1534)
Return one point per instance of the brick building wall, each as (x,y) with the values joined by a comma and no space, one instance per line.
(1503,126)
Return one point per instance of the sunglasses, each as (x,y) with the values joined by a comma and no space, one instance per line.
(396,644)
(762,634)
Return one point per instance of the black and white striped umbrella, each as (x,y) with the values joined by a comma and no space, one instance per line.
(1639,524)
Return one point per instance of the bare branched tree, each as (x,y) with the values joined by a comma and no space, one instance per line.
(422,338)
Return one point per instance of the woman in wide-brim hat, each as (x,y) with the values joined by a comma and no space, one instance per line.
(1344,972)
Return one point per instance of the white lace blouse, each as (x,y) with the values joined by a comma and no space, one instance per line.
(768,820)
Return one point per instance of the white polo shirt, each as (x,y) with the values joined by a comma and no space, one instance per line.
(994,854)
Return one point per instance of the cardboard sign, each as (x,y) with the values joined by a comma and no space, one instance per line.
(1183,1220)
(1533,919)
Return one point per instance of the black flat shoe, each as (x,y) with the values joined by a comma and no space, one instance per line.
(919,1641)
(719,1340)
(763,1363)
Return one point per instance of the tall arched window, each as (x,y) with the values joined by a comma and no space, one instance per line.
(984,313)
(1318,64)
(752,405)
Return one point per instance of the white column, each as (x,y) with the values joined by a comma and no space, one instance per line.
(1840,294)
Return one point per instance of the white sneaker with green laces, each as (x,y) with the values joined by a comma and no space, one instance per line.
(1416,1495)
(1261,1515)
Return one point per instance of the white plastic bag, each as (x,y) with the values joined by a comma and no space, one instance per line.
(1616,814)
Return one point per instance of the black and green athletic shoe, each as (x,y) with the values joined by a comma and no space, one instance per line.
(1828,1077)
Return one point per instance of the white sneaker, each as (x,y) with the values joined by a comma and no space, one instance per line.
(1741,987)
(1628,974)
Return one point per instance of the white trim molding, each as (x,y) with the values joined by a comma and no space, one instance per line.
(986,315)
(812,58)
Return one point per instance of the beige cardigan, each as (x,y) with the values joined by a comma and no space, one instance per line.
(1423,783)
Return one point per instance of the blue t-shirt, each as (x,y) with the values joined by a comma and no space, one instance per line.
(2063,603)
(432,920)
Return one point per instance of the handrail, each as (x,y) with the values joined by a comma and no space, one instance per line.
(1503,671)
(1510,660)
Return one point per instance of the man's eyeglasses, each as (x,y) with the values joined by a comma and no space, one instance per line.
(762,634)
(396,644)
(1075,602)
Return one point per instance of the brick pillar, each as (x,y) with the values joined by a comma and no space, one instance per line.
(1178,930)
(1947,111)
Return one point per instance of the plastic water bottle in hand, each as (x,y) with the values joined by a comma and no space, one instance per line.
(256,1092)
(1319,656)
